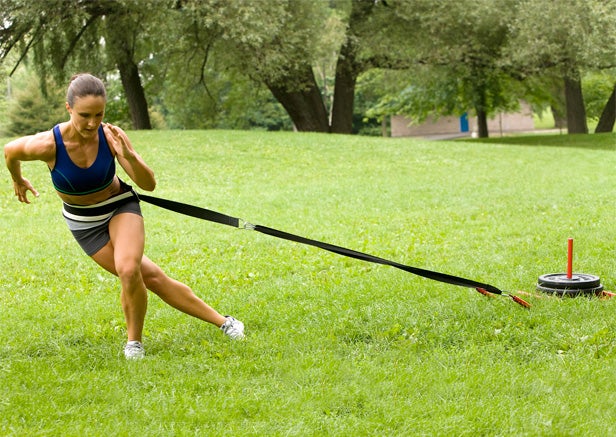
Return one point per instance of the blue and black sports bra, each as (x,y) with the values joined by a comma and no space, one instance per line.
(69,178)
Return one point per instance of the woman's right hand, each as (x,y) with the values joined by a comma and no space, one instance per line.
(21,190)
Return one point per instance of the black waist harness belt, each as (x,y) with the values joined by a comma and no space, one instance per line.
(217,217)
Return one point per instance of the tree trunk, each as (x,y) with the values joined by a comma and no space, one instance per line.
(305,106)
(344,91)
(121,48)
(348,68)
(608,116)
(344,97)
(576,112)
(135,95)
(560,120)
(482,123)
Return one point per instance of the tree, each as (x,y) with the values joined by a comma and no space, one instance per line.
(68,35)
(457,54)
(350,63)
(30,111)
(574,99)
(361,49)
(596,86)
(199,77)
(608,115)
(278,43)
(568,38)
(273,43)
(455,48)
(123,27)
(486,55)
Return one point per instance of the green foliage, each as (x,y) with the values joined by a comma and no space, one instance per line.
(597,89)
(579,34)
(457,47)
(363,122)
(489,55)
(264,40)
(335,346)
(330,38)
(29,111)
(203,63)
(4,98)
(260,111)
(116,110)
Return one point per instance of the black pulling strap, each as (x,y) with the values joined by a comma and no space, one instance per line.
(213,216)
(193,211)
(217,217)
(442,277)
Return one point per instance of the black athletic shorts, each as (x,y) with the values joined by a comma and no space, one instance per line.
(90,224)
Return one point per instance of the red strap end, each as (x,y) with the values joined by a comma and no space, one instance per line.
(484,292)
(520,301)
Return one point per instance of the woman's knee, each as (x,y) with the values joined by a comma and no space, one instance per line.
(128,270)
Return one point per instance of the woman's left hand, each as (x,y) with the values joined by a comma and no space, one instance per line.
(117,141)
(128,158)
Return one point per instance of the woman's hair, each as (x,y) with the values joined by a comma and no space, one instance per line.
(84,84)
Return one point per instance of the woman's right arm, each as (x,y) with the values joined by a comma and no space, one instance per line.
(39,147)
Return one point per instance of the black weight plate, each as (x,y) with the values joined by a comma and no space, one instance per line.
(572,292)
(561,282)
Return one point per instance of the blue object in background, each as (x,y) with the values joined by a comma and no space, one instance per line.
(464,122)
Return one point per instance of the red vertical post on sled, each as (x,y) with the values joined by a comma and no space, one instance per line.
(569,258)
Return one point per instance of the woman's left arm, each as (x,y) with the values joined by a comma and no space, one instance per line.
(128,158)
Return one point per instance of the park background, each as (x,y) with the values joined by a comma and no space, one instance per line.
(334,346)
(338,66)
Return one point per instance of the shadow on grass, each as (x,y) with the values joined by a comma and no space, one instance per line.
(590,141)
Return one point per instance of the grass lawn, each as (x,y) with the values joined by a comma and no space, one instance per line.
(334,346)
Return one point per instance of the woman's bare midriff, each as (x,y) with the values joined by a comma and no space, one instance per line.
(91,199)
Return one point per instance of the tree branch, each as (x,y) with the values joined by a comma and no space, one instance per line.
(76,39)
(25,52)
(203,65)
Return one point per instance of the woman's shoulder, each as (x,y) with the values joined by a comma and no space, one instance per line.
(42,141)
(37,146)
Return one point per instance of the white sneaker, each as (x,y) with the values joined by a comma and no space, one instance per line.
(233,328)
(134,350)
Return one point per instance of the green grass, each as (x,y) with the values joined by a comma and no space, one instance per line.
(335,346)
(592,141)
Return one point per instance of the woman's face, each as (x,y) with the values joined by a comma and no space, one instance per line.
(87,114)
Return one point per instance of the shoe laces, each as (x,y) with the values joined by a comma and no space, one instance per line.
(233,328)
(134,350)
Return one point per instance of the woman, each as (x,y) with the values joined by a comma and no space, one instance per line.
(102,211)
